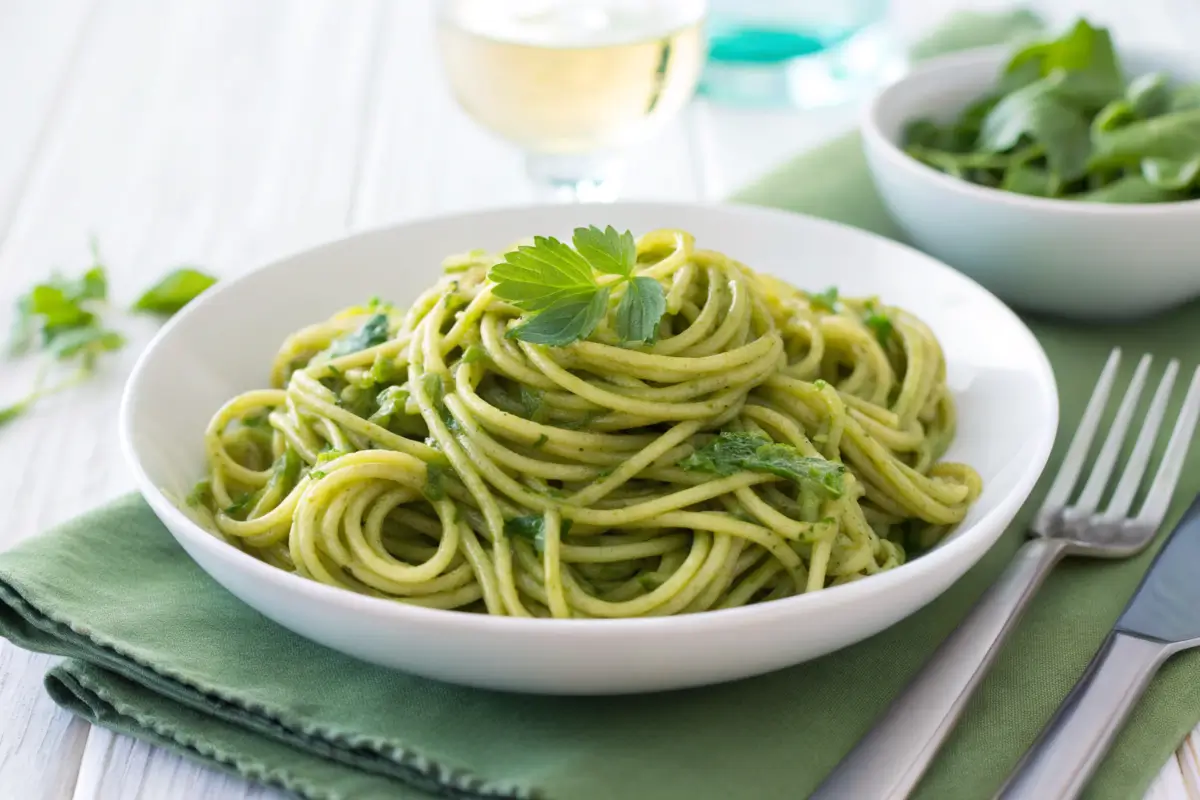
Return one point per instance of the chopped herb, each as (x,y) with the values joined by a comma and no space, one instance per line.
(391,402)
(201,495)
(242,504)
(332,454)
(474,353)
(825,301)
(256,420)
(371,333)
(879,322)
(174,291)
(541,440)
(733,452)
(531,404)
(819,383)
(435,482)
(532,528)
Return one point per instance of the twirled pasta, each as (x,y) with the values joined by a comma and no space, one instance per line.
(448,466)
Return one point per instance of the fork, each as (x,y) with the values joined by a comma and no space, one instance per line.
(889,761)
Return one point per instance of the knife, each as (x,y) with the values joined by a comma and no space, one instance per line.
(1162,618)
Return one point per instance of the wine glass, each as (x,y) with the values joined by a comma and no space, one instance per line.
(572,82)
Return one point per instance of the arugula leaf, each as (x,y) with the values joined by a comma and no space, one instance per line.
(174,291)
(733,452)
(371,333)
(547,274)
(606,250)
(640,309)
(825,301)
(564,323)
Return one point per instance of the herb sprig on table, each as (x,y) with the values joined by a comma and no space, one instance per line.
(61,319)
(1063,122)
(557,285)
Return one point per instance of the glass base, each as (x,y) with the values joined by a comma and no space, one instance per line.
(802,69)
(574,178)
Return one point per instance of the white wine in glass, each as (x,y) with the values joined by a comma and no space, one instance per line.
(572,82)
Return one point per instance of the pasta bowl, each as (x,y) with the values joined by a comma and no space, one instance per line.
(224,343)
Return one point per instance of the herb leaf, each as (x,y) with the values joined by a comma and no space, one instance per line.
(825,301)
(544,275)
(77,340)
(640,309)
(532,528)
(1149,95)
(564,323)
(174,291)
(733,452)
(371,333)
(606,250)
(1172,136)
(879,322)
(391,402)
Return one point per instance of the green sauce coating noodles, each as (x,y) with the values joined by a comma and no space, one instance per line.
(422,456)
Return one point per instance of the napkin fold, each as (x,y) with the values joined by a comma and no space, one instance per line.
(157,650)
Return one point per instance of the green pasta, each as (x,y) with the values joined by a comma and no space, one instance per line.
(761,442)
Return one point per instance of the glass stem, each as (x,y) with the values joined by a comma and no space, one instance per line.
(593,178)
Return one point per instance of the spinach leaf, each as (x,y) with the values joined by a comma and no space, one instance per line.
(1036,111)
(1035,181)
(1149,95)
(1173,136)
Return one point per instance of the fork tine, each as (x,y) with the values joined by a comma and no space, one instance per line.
(1102,469)
(1131,478)
(1068,473)
(1154,509)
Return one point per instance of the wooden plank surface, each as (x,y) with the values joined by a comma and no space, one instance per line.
(227,133)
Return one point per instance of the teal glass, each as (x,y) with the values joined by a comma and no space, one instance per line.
(804,53)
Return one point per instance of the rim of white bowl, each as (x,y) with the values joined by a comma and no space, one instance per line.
(869,121)
(710,620)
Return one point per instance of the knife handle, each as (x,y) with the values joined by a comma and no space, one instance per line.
(1070,748)
(889,761)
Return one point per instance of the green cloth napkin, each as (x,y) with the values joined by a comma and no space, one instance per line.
(157,650)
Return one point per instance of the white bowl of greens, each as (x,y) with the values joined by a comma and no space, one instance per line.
(1062,177)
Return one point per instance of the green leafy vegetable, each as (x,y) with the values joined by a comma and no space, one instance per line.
(374,331)
(435,481)
(474,353)
(532,528)
(1063,123)
(531,404)
(564,323)
(879,322)
(733,452)
(391,402)
(640,309)
(78,340)
(176,289)
(558,285)
(825,301)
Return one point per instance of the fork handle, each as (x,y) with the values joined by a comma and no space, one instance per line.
(1068,751)
(890,760)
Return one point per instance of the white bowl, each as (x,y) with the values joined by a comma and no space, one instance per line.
(1086,260)
(223,343)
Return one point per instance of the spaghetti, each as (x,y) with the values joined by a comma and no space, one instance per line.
(768,442)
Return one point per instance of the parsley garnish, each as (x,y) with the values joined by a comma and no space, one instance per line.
(174,291)
(557,284)
(825,301)
(879,322)
(734,452)
(371,333)
(532,528)
(435,482)
(474,353)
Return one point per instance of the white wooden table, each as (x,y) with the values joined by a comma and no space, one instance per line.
(227,133)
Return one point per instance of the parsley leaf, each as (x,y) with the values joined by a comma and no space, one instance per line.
(176,289)
(879,322)
(371,333)
(564,323)
(532,528)
(544,275)
(606,250)
(734,452)
(640,310)
(825,301)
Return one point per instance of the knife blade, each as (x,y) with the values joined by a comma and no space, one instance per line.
(1166,605)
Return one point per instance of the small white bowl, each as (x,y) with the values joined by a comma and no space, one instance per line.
(224,342)
(1084,260)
